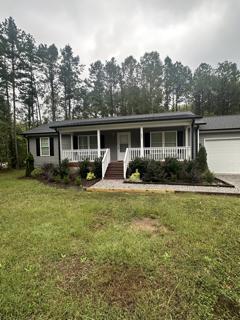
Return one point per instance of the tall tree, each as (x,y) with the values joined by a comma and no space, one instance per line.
(151,82)
(69,78)
(168,82)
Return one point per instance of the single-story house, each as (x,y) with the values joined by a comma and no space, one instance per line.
(118,140)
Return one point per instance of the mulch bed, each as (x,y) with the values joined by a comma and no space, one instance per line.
(217,183)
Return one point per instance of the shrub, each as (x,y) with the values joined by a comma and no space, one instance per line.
(66,180)
(201,160)
(63,168)
(57,179)
(97,167)
(29,164)
(78,181)
(154,172)
(135,176)
(47,169)
(84,168)
(36,173)
(172,168)
(139,164)
(208,176)
(90,176)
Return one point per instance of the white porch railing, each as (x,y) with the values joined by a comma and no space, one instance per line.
(105,162)
(159,154)
(126,161)
(77,155)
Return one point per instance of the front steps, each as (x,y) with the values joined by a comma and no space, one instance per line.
(114,170)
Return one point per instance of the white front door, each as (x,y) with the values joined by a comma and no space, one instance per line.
(123,142)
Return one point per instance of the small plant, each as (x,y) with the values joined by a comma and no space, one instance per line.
(135,177)
(66,180)
(97,165)
(154,172)
(90,176)
(57,179)
(47,169)
(78,181)
(138,164)
(84,168)
(172,168)
(29,164)
(63,168)
(37,172)
(208,176)
(201,160)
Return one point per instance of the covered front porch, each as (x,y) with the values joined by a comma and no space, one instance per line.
(153,141)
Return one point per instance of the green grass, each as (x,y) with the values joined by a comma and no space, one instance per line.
(66,254)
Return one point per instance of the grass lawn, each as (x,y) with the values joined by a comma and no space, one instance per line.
(66,254)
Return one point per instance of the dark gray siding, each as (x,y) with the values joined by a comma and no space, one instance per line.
(38,160)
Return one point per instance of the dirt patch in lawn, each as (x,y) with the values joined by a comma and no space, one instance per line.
(117,285)
(149,225)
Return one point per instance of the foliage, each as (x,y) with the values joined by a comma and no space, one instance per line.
(154,172)
(90,176)
(84,168)
(135,177)
(172,168)
(78,181)
(29,164)
(97,167)
(208,176)
(201,159)
(63,168)
(66,180)
(37,172)
(139,164)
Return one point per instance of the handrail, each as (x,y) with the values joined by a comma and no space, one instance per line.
(105,162)
(126,161)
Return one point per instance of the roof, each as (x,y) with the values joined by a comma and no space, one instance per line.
(44,128)
(49,128)
(228,122)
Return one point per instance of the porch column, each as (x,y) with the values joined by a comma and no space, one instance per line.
(60,146)
(141,143)
(98,143)
(186,137)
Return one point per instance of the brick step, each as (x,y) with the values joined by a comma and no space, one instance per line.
(114,170)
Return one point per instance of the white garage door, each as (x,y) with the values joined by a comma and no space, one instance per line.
(223,155)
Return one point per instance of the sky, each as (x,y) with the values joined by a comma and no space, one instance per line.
(190,31)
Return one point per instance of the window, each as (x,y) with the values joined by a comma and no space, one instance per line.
(163,138)
(87,142)
(170,138)
(44,146)
(156,139)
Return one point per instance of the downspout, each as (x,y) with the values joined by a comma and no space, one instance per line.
(192,139)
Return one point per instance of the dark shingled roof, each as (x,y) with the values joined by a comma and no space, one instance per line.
(221,122)
(44,128)
(49,128)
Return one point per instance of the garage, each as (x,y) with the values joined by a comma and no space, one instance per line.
(223,154)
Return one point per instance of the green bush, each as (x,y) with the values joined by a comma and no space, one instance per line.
(90,176)
(36,173)
(78,181)
(84,168)
(29,164)
(208,176)
(66,180)
(135,177)
(63,168)
(139,164)
(57,179)
(201,160)
(172,168)
(154,172)
(97,167)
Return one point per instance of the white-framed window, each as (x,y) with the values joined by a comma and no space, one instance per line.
(163,139)
(87,142)
(44,147)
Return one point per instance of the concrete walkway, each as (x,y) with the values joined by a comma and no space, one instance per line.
(119,185)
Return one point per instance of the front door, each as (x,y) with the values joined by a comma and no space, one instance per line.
(123,142)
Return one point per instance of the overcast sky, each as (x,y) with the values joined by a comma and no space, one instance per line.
(191,31)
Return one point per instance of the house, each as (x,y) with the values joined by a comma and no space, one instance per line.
(118,140)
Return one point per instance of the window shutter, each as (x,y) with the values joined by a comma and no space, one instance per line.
(51,146)
(75,142)
(102,141)
(147,139)
(38,147)
(180,138)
